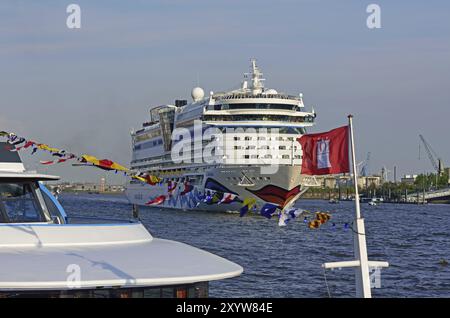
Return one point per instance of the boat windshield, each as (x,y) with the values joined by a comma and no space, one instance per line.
(18,203)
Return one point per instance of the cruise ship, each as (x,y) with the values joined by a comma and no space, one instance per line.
(222,149)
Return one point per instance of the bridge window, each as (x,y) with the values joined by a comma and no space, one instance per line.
(259,106)
(259,117)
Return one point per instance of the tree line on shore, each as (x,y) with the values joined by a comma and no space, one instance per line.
(390,191)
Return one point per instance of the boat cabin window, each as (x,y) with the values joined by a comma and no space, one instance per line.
(53,210)
(196,290)
(18,203)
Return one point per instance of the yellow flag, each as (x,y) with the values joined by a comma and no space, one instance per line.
(139,178)
(119,167)
(91,159)
(250,202)
(46,147)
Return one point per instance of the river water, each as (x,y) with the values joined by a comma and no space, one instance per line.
(286,261)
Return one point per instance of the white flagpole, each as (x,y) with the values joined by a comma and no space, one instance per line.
(361,262)
(355,176)
(359,242)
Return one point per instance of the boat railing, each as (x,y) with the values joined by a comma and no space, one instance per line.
(83,219)
(250,95)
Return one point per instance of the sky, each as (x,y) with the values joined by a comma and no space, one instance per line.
(85,89)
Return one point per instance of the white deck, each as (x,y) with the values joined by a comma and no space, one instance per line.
(38,257)
(13,174)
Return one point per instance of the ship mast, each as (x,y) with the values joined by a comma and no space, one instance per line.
(257,80)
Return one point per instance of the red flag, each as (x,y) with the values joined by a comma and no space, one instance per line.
(47,162)
(105,164)
(227,198)
(157,200)
(325,153)
(187,188)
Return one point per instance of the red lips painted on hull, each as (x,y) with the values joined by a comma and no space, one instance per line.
(275,194)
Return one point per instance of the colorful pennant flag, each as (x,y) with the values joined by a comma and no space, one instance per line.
(314,224)
(286,216)
(105,164)
(247,205)
(18,141)
(47,148)
(215,198)
(322,217)
(268,210)
(151,179)
(171,186)
(227,198)
(208,199)
(187,188)
(46,162)
(157,201)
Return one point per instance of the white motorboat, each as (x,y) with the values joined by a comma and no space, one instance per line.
(44,253)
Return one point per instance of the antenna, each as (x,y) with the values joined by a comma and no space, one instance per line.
(256,78)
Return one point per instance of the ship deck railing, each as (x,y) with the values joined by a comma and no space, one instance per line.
(250,95)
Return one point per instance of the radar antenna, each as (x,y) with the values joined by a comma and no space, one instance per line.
(256,78)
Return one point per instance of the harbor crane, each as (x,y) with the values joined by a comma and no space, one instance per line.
(436,162)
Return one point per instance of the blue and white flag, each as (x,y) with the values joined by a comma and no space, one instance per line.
(268,210)
(207,199)
(285,216)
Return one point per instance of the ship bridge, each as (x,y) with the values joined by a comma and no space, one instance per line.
(253,105)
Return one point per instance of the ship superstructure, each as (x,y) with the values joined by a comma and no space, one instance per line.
(241,143)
